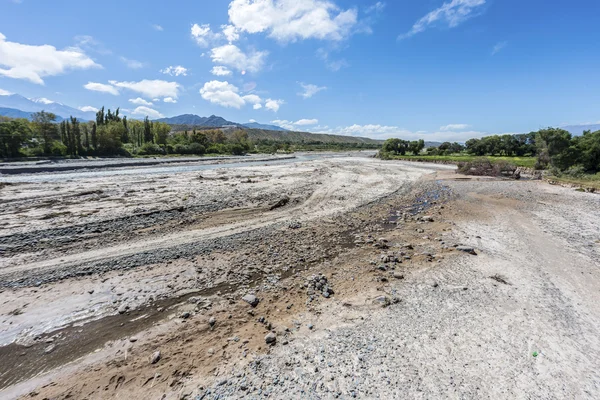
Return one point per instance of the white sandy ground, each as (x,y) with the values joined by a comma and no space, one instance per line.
(336,186)
(467,337)
(470,336)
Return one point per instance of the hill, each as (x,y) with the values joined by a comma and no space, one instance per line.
(305,137)
(192,120)
(14,113)
(256,125)
(23,104)
(577,130)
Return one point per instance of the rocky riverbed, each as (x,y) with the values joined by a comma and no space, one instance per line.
(344,277)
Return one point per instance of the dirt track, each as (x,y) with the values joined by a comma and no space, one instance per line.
(131,255)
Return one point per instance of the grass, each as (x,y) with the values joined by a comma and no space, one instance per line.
(585,181)
(527,162)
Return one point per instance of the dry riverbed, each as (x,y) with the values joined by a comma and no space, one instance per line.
(371,279)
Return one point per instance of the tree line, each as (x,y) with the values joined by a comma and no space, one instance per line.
(554,148)
(109,135)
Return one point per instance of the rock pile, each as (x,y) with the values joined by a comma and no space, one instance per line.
(318,284)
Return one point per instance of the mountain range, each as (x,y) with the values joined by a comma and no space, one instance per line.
(17,106)
(577,130)
(16,102)
(214,122)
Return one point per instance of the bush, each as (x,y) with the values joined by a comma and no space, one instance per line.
(484,167)
(192,148)
(149,149)
(58,149)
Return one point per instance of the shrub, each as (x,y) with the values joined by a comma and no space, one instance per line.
(58,149)
(484,167)
(151,149)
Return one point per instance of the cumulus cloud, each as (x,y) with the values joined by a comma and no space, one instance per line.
(147,112)
(452,14)
(231,56)
(289,21)
(310,90)
(101,87)
(220,70)
(169,100)
(158,27)
(454,127)
(203,35)
(151,88)
(5,92)
(291,125)
(174,70)
(32,63)
(132,64)
(88,109)
(377,131)
(140,102)
(223,94)
(226,94)
(273,105)
(230,32)
(303,122)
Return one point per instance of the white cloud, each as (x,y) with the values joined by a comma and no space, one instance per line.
(332,65)
(498,47)
(169,100)
(5,92)
(376,8)
(219,70)
(151,88)
(147,111)
(376,131)
(42,100)
(132,64)
(452,14)
(223,94)
(284,123)
(88,109)
(203,35)
(251,120)
(140,102)
(289,21)
(231,56)
(293,125)
(252,99)
(304,122)
(454,127)
(174,70)
(32,63)
(158,27)
(230,32)
(101,87)
(257,106)
(273,105)
(310,90)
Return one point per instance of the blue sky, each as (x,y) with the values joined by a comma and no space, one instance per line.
(432,69)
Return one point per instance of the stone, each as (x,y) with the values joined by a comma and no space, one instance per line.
(466,249)
(270,338)
(123,309)
(133,339)
(212,321)
(155,357)
(398,275)
(185,315)
(251,299)
(427,218)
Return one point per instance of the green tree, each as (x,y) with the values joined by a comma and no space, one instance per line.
(45,128)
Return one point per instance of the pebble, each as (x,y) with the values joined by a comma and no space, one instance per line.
(270,338)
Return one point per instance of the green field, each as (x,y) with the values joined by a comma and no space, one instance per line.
(528,162)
